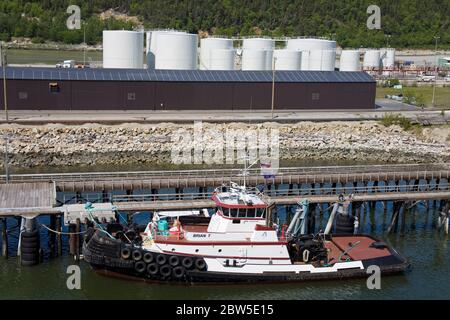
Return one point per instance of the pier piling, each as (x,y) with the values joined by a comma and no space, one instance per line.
(4,238)
(58,228)
(72,240)
(77,239)
(52,236)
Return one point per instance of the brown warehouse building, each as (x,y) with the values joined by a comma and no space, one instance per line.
(141,89)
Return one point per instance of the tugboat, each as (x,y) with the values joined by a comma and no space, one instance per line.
(237,244)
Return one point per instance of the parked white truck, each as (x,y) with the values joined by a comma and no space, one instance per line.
(426,78)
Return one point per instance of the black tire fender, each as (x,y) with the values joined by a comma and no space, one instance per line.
(165,270)
(30,243)
(30,234)
(34,250)
(137,255)
(178,272)
(29,256)
(152,269)
(187,262)
(161,259)
(148,257)
(140,266)
(200,264)
(174,261)
(125,253)
(29,263)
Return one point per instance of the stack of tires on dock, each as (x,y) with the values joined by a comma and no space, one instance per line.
(30,247)
(103,252)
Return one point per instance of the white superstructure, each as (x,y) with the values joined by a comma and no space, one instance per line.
(123,49)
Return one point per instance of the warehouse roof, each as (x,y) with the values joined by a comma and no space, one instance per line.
(32,73)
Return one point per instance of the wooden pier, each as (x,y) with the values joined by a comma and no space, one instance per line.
(109,181)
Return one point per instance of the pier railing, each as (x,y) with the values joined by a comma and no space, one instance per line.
(224,173)
(300,193)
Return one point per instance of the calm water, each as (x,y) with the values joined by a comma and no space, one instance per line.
(427,249)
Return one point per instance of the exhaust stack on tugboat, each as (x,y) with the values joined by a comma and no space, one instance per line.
(236,244)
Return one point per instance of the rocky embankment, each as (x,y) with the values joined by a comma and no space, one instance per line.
(61,145)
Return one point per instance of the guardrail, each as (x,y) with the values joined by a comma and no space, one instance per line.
(225,173)
(415,188)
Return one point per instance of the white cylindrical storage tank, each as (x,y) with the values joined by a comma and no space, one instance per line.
(176,51)
(222,59)
(152,45)
(287,59)
(254,59)
(123,49)
(209,44)
(269,59)
(350,60)
(372,59)
(315,60)
(310,50)
(258,44)
(387,58)
(328,60)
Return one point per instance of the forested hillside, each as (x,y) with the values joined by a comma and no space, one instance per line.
(410,23)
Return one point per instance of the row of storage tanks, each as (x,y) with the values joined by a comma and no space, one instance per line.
(178,50)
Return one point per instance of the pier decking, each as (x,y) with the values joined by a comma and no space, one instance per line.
(108,181)
(31,198)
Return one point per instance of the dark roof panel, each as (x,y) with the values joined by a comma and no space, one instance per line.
(27,73)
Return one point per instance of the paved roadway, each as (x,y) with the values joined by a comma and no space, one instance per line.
(129,116)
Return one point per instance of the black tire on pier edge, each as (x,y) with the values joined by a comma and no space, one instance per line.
(152,269)
(178,272)
(148,257)
(165,270)
(137,255)
(161,259)
(187,262)
(125,253)
(29,263)
(200,264)
(140,266)
(344,224)
(30,234)
(29,243)
(29,256)
(29,250)
(174,261)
